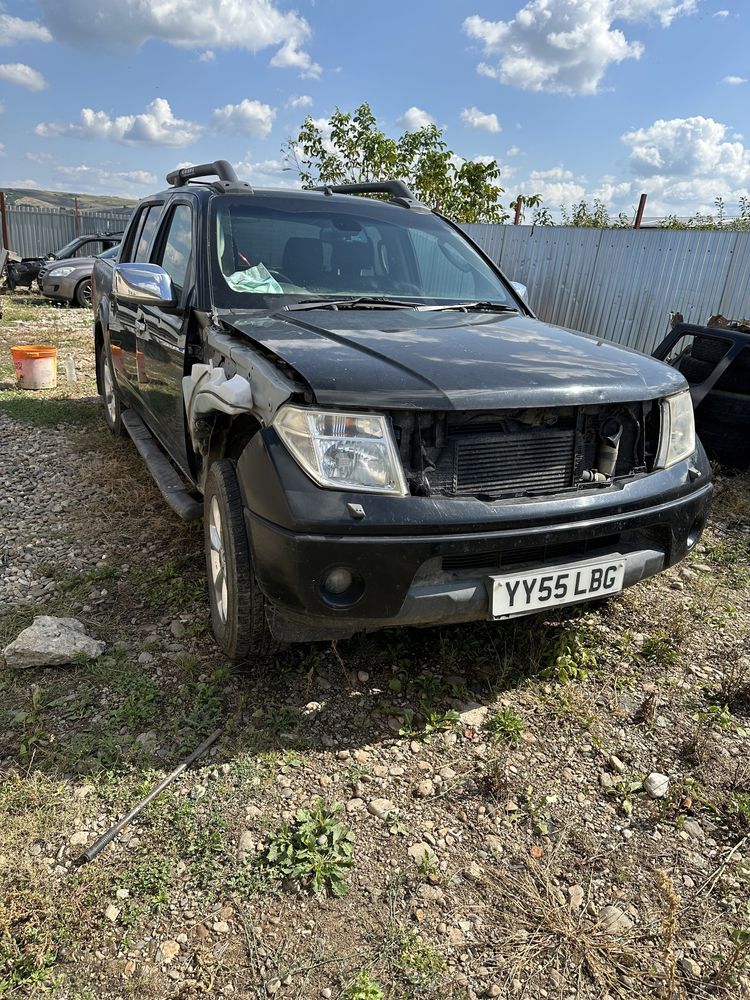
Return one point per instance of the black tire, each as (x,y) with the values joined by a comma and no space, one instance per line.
(112,405)
(734,379)
(83,293)
(238,616)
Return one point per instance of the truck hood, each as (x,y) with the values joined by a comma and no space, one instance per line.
(404,359)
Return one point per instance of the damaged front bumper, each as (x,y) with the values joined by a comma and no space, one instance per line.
(428,561)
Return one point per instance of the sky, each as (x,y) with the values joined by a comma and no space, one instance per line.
(574,98)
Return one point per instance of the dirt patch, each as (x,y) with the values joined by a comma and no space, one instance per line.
(495,778)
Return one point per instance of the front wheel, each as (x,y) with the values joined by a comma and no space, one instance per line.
(238,615)
(112,405)
(83,293)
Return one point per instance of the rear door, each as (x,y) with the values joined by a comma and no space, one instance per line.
(124,316)
(161,334)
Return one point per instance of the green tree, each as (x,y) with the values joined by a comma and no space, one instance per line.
(594,217)
(357,150)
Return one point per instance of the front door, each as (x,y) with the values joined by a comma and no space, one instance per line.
(161,334)
(124,317)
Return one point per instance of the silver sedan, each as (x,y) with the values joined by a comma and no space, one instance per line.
(70,280)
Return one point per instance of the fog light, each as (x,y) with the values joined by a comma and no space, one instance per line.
(338,581)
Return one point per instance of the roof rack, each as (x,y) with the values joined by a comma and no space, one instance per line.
(219,168)
(398,190)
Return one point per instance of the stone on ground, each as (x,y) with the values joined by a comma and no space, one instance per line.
(51,642)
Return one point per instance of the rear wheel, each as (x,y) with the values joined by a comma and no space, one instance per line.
(112,405)
(83,293)
(238,606)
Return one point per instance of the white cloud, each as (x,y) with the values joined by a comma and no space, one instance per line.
(290,56)
(415,118)
(565,46)
(303,101)
(157,126)
(87,178)
(694,147)
(249,117)
(475,118)
(734,81)
(513,151)
(557,186)
(267,173)
(208,56)
(23,75)
(720,13)
(194,24)
(15,29)
(2,149)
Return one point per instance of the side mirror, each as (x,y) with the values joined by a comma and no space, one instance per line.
(144,284)
(522,290)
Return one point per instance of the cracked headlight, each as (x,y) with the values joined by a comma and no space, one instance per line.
(344,451)
(59,272)
(677,439)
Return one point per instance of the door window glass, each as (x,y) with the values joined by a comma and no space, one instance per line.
(175,256)
(146,235)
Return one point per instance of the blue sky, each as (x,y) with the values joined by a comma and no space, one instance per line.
(574,98)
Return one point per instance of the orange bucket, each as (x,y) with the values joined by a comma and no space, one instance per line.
(36,366)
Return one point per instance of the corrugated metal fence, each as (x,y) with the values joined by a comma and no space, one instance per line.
(621,284)
(34,231)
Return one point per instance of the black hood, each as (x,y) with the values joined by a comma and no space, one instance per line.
(446,360)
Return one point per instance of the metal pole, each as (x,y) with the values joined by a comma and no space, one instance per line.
(639,213)
(77,217)
(109,836)
(519,207)
(4,220)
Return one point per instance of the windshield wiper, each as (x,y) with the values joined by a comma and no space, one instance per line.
(360,302)
(470,307)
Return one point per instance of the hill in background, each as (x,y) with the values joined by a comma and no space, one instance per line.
(65,199)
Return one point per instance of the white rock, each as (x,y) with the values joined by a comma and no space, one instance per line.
(51,642)
(112,912)
(693,829)
(614,921)
(473,714)
(421,852)
(656,785)
(380,807)
(169,951)
(79,838)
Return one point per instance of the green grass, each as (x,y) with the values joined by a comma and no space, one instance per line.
(38,411)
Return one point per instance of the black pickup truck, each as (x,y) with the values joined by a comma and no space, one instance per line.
(371,422)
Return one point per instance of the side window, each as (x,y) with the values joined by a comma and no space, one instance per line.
(177,246)
(146,235)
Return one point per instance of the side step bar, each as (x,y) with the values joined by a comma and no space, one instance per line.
(171,487)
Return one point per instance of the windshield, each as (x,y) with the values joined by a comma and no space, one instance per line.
(69,249)
(282,250)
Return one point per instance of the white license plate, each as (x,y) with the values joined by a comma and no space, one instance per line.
(520,593)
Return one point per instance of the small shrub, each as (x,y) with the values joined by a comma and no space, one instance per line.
(418,962)
(362,987)
(570,658)
(505,726)
(314,851)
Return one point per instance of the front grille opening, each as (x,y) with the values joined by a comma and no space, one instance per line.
(538,554)
(525,453)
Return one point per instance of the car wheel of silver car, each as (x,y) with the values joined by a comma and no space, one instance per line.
(83,293)
(112,405)
(238,606)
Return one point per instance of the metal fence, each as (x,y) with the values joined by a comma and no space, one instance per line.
(34,231)
(621,284)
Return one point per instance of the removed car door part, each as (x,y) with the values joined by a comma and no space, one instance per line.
(106,838)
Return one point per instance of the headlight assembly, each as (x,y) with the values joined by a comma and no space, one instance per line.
(677,439)
(344,451)
(59,272)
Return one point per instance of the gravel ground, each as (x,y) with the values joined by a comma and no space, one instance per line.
(558,807)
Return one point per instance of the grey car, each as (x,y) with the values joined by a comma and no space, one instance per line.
(70,280)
